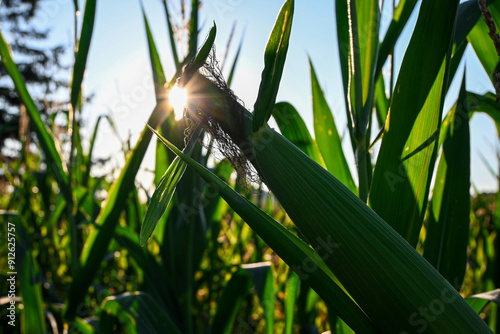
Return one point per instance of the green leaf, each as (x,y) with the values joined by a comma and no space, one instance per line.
(158,75)
(202,55)
(88,158)
(292,286)
(229,304)
(342,20)
(154,273)
(262,276)
(456,59)
(193,29)
(161,158)
(30,287)
(368,18)
(479,301)
(161,197)
(274,62)
(82,51)
(83,326)
(467,17)
(447,234)
(306,309)
(485,103)
(290,248)
(171,36)
(343,328)
(327,136)
(364,17)
(45,137)
(165,190)
(233,66)
(400,17)
(97,243)
(363,251)
(148,316)
(483,46)
(293,128)
(401,177)
(381,102)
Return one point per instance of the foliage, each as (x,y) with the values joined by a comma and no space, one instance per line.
(210,253)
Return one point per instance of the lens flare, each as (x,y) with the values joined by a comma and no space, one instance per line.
(178,100)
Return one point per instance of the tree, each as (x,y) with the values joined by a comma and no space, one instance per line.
(40,67)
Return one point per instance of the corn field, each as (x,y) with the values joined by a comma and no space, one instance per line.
(252,229)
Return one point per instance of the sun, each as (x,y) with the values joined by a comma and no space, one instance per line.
(178,100)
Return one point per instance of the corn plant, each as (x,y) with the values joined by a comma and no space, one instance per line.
(371,254)
(367,255)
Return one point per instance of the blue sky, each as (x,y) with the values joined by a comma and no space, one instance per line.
(118,71)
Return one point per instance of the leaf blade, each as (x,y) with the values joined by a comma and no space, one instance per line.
(327,136)
(274,62)
(414,118)
(447,234)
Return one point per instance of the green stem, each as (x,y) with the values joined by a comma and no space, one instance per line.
(362,167)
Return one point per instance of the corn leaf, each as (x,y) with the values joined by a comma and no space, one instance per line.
(233,66)
(400,17)
(402,177)
(368,17)
(82,325)
(467,17)
(202,55)
(229,304)
(88,158)
(343,328)
(322,208)
(456,59)
(479,301)
(154,273)
(483,45)
(485,103)
(447,234)
(141,308)
(381,102)
(158,75)
(161,158)
(274,62)
(193,29)
(490,296)
(342,16)
(161,197)
(327,136)
(290,248)
(292,286)
(364,17)
(355,93)
(306,310)
(32,314)
(263,279)
(96,245)
(171,36)
(293,128)
(82,51)
(164,192)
